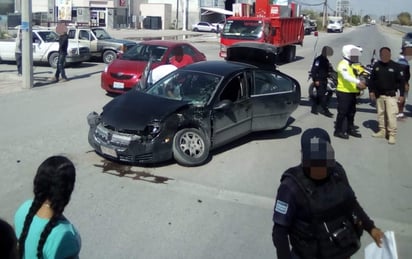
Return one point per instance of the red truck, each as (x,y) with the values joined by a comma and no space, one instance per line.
(267,25)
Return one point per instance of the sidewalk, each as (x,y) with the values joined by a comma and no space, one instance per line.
(10,82)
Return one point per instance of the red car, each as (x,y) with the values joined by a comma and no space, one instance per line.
(125,72)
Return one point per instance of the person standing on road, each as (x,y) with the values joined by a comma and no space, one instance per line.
(316,211)
(18,53)
(42,229)
(61,63)
(348,88)
(320,71)
(386,79)
(407,76)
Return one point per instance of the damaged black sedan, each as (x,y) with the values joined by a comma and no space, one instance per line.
(192,111)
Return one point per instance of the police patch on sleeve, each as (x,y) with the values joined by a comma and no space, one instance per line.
(281,207)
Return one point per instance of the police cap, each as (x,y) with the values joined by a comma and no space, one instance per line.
(316,148)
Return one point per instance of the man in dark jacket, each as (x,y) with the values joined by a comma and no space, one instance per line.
(316,210)
(404,63)
(386,79)
(320,72)
(61,63)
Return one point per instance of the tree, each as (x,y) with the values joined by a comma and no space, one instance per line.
(355,19)
(404,18)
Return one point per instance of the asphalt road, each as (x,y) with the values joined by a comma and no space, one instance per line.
(220,210)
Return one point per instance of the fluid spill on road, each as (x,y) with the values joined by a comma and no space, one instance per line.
(127,171)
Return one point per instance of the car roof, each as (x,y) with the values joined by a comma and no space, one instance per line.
(408,35)
(218,67)
(166,43)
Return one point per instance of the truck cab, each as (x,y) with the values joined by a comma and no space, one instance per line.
(101,44)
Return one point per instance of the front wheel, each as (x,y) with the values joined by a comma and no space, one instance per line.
(109,56)
(53,59)
(190,147)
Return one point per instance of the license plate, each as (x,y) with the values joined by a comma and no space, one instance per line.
(118,85)
(108,151)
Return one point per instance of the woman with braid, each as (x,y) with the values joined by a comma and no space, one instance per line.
(41,228)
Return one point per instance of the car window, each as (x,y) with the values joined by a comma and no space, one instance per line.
(72,34)
(84,35)
(141,52)
(234,89)
(193,87)
(269,83)
(187,50)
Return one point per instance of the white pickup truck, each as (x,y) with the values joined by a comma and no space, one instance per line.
(45,49)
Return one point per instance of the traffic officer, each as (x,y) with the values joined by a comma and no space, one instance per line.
(320,72)
(316,210)
(348,88)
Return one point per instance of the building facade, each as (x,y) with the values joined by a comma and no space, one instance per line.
(113,13)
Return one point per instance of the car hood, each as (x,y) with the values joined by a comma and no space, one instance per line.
(128,66)
(134,110)
(120,41)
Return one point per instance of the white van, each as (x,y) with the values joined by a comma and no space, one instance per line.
(335,24)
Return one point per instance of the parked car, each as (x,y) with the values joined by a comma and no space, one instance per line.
(100,43)
(195,109)
(204,26)
(219,25)
(407,40)
(125,72)
(46,49)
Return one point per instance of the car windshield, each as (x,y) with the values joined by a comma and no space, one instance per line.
(101,34)
(249,29)
(49,36)
(192,86)
(142,52)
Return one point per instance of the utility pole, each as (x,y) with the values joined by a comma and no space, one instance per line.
(27,45)
(184,9)
(325,9)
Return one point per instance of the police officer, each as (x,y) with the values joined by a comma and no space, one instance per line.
(348,88)
(316,210)
(320,72)
(407,76)
(386,78)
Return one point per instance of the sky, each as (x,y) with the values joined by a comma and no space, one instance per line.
(362,7)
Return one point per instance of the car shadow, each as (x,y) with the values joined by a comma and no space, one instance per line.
(286,132)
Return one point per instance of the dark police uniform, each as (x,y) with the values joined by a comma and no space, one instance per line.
(314,221)
(320,72)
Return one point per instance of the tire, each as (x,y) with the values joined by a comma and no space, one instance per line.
(311,91)
(195,29)
(190,147)
(53,59)
(109,56)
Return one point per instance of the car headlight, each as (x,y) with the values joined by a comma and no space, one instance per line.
(223,47)
(106,68)
(153,129)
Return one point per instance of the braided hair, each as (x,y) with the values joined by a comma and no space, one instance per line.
(54,181)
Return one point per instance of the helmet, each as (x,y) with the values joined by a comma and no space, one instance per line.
(351,50)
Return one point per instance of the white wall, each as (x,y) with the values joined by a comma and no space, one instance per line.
(162,10)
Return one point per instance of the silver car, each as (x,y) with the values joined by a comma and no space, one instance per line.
(203,26)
